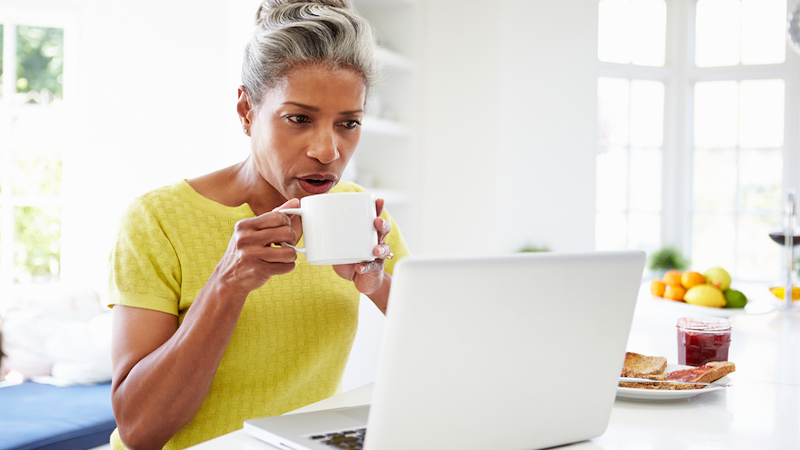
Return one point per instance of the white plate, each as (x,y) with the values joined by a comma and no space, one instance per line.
(752,307)
(654,395)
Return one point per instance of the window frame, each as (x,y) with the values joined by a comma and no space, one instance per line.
(36,14)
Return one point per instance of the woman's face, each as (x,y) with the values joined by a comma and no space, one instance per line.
(306,129)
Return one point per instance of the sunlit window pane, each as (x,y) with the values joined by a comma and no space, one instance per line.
(760,178)
(717,33)
(647,113)
(649,32)
(716,106)
(610,231)
(613,95)
(757,257)
(763,31)
(761,113)
(714,180)
(645,180)
(713,240)
(632,31)
(40,63)
(37,137)
(37,248)
(644,231)
(612,39)
(612,182)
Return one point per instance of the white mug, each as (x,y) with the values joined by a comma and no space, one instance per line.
(338,228)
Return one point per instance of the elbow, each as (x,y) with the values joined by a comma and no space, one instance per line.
(134,439)
(134,430)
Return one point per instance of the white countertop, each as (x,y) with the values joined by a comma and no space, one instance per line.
(760,411)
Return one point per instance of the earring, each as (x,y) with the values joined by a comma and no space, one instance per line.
(245,131)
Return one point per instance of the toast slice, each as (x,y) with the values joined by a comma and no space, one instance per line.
(641,366)
(712,371)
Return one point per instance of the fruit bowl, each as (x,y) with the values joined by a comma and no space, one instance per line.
(711,289)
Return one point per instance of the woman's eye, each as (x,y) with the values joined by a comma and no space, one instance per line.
(351,124)
(298,118)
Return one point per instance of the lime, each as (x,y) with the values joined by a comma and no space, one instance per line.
(705,295)
(735,299)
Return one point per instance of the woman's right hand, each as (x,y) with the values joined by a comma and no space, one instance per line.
(255,254)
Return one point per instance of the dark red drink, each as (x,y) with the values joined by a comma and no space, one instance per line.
(703,340)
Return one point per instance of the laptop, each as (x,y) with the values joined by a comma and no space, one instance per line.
(520,351)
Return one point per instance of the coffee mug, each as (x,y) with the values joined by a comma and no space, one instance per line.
(338,228)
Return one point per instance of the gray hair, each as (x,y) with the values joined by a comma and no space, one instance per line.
(296,33)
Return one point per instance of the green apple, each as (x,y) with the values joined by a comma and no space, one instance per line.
(719,278)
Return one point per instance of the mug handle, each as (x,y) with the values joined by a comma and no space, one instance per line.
(299,212)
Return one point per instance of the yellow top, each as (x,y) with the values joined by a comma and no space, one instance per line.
(294,334)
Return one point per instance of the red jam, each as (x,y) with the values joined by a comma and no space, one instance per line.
(703,340)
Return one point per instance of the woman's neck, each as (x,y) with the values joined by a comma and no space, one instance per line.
(238,184)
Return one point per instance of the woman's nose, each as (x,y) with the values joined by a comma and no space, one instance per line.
(324,147)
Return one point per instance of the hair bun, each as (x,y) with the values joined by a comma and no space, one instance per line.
(268,7)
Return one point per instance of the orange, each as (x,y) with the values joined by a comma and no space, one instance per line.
(691,279)
(657,288)
(672,277)
(675,292)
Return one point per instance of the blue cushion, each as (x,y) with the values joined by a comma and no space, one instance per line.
(40,416)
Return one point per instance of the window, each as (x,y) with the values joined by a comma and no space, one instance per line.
(695,149)
(32,138)
(631,125)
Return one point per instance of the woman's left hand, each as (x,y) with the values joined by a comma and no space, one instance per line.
(368,276)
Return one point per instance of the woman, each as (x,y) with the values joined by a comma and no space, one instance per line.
(214,321)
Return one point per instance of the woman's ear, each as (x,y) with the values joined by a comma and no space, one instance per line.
(244,108)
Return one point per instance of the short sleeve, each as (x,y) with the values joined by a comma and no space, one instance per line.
(144,269)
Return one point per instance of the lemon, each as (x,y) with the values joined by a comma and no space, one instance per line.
(735,299)
(705,295)
(778,292)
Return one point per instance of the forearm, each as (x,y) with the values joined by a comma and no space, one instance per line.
(162,392)
(381,296)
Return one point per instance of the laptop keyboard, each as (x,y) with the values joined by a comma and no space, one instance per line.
(349,439)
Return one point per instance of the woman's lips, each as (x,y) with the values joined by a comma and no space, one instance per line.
(314,185)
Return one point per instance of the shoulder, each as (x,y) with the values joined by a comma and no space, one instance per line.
(150,208)
(160,198)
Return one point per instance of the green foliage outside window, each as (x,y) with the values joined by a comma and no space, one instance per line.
(37,245)
(1,58)
(40,62)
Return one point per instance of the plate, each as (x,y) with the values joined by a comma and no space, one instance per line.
(654,395)
(752,307)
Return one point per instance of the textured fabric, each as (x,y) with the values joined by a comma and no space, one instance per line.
(37,416)
(294,334)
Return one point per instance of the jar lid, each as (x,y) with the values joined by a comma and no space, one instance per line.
(704,324)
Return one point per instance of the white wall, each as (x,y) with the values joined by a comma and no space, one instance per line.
(509,125)
(157,90)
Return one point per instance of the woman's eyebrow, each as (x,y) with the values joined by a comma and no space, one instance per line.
(300,105)
(315,109)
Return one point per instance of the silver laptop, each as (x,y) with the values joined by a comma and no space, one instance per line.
(521,351)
